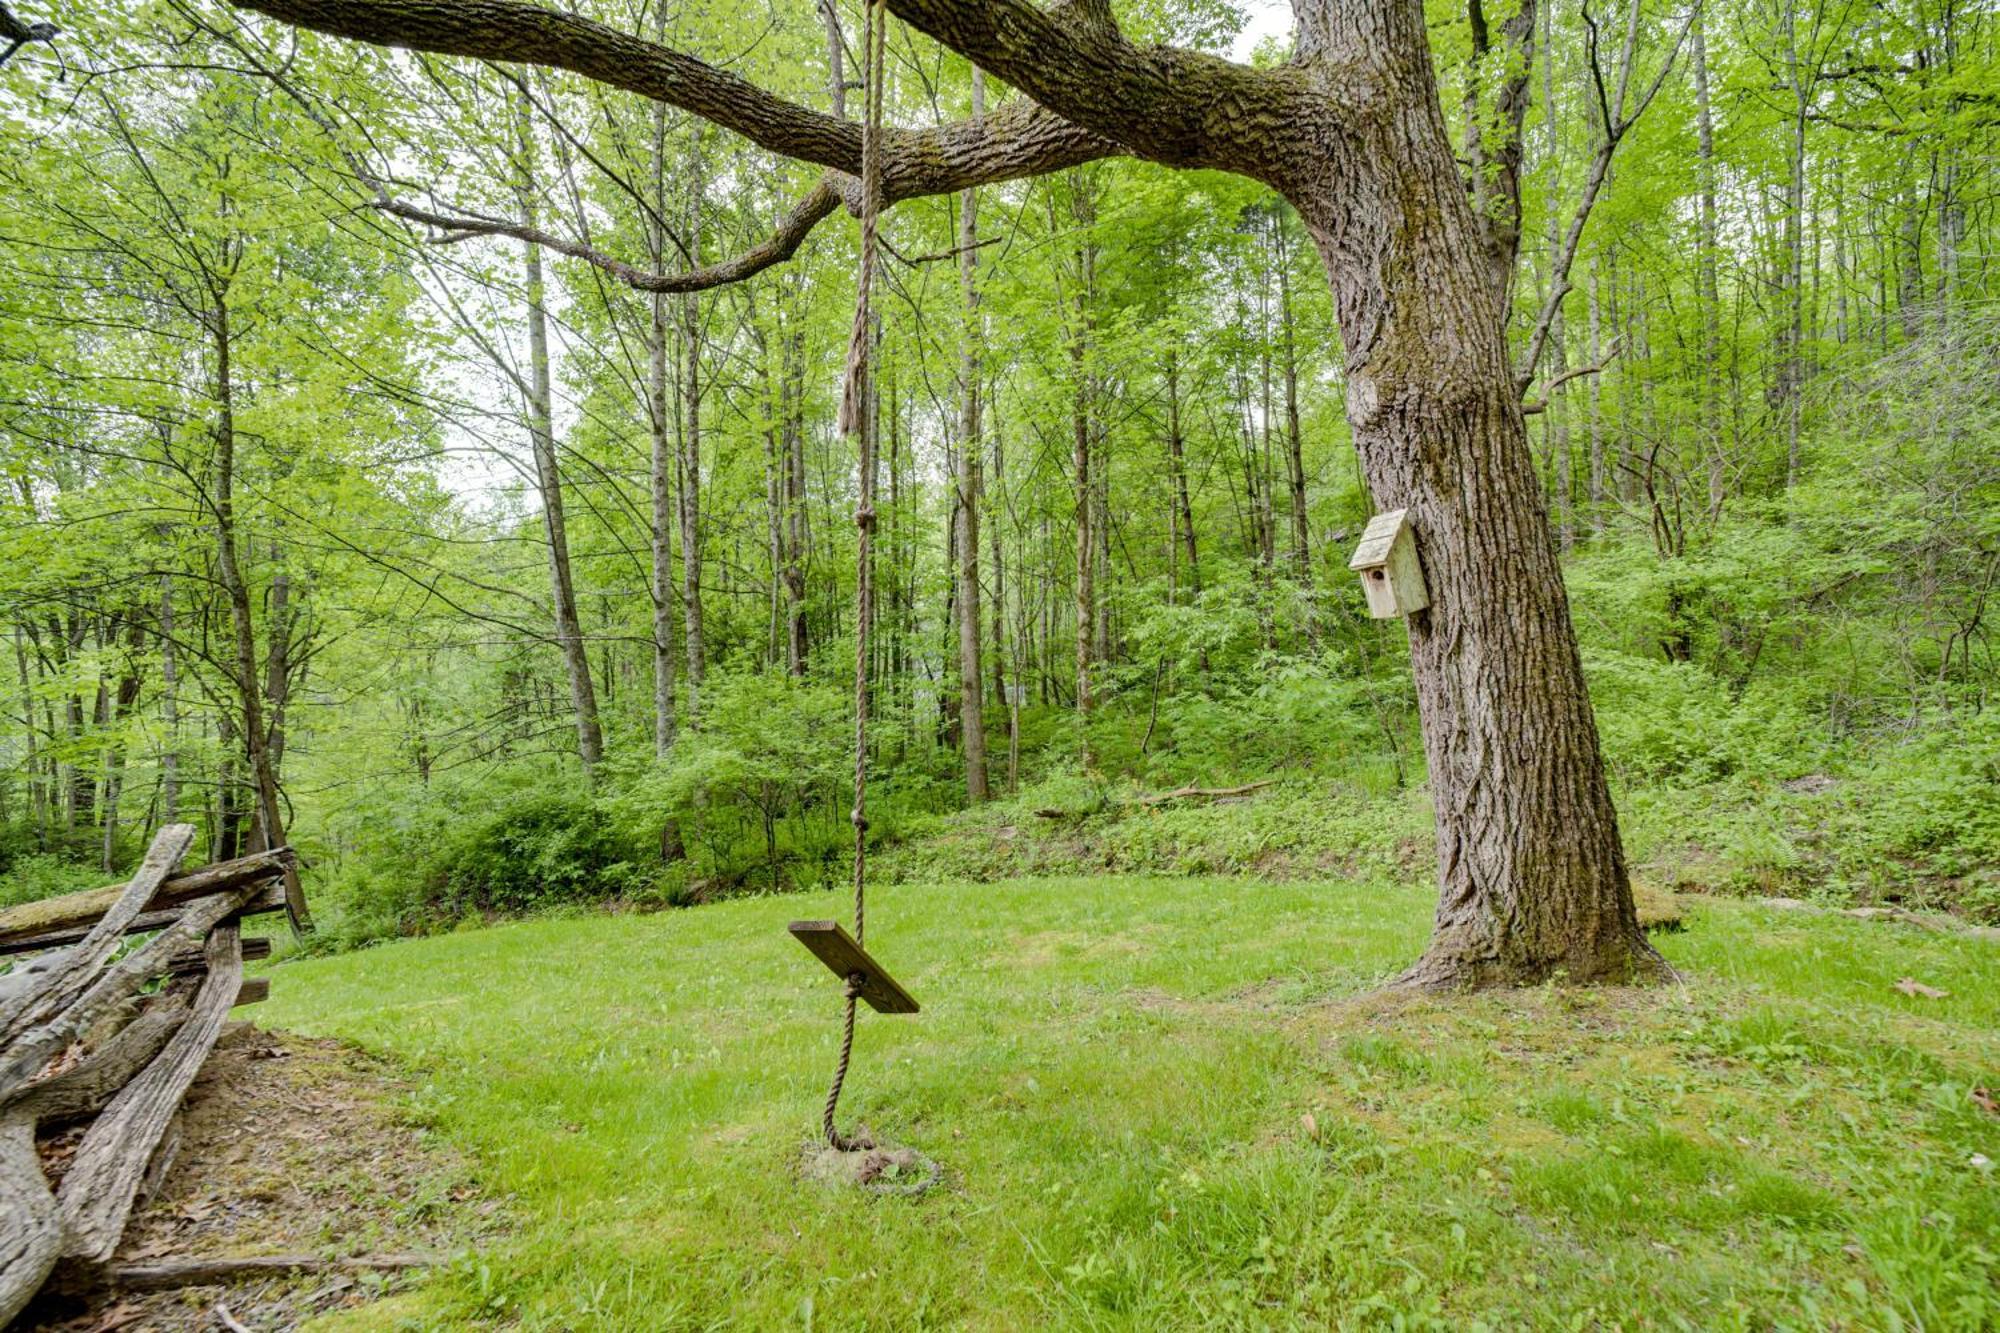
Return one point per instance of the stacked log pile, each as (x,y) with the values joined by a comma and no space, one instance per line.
(92,1031)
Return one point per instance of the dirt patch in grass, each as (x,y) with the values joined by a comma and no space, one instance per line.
(288,1145)
(882,1169)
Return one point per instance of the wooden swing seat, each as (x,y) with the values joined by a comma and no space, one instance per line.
(832,945)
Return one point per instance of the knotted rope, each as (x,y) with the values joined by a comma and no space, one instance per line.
(857,418)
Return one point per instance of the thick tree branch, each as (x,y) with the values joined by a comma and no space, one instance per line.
(1020,139)
(1183,108)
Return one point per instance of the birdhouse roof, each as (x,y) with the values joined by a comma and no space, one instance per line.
(1379,538)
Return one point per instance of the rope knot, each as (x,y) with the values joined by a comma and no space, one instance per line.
(864,518)
(856,983)
(859,820)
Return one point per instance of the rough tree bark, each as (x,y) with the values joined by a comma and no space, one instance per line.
(1532,874)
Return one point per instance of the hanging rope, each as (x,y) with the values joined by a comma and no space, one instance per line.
(857,418)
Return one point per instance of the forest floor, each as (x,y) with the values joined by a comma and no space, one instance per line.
(288,1145)
(1186,1103)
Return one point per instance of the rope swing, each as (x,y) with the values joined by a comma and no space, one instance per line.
(862,977)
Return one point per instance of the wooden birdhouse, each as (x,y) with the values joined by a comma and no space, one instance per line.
(1391,574)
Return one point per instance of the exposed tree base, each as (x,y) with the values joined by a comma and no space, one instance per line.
(1452,963)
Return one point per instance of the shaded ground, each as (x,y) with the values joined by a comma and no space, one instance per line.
(289,1145)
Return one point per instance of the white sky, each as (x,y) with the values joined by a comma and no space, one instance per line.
(1268,18)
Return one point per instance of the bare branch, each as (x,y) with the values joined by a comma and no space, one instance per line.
(1542,404)
(792,230)
(1616,124)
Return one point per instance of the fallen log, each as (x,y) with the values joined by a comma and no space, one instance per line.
(104,1177)
(70,973)
(34,925)
(196,960)
(205,1272)
(271,898)
(88,1085)
(27,1054)
(1188,793)
(30,1223)
(1205,793)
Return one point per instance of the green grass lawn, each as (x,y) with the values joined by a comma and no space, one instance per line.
(1177,1103)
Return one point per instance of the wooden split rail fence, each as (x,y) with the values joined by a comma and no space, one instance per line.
(92,1032)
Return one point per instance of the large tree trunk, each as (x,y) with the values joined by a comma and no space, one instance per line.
(1531,872)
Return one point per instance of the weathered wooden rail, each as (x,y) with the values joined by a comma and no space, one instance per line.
(85,1034)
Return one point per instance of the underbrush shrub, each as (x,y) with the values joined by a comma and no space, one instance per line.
(538,852)
(1676,724)
(1911,821)
(1070,824)
(32,876)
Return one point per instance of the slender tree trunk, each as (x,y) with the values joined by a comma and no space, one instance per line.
(1706,290)
(1257,440)
(120,705)
(1081,370)
(548,478)
(993,526)
(1791,370)
(38,799)
(798,641)
(775,465)
(1295,461)
(278,662)
(1177,468)
(229,572)
(1599,491)
(1556,423)
(661,488)
(971,676)
(690,464)
(170,704)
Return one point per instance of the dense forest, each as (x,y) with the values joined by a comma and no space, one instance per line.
(374,484)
